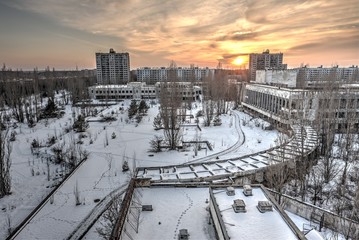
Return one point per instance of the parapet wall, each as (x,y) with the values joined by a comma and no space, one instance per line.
(319,215)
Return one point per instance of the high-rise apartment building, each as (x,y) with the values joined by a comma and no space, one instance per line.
(112,67)
(265,60)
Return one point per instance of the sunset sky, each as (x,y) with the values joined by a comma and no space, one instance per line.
(67,33)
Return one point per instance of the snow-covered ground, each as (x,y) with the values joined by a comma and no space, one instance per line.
(303,223)
(102,172)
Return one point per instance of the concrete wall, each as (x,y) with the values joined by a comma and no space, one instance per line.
(330,220)
(277,77)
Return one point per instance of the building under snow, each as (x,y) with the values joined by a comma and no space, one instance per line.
(140,90)
(198,211)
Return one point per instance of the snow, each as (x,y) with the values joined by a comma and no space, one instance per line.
(314,235)
(173,209)
(325,234)
(252,224)
(101,173)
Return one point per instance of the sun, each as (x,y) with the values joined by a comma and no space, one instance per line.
(238,61)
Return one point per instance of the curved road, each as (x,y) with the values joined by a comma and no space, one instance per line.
(233,148)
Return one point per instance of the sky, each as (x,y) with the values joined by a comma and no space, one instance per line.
(67,33)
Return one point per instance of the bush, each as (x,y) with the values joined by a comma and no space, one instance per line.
(80,125)
(35,144)
(199,114)
(217,121)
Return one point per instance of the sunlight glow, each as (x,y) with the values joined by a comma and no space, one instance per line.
(238,61)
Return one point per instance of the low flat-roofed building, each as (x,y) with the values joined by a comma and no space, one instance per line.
(251,224)
(198,211)
(173,209)
(139,90)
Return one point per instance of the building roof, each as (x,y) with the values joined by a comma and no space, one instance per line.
(176,207)
(251,224)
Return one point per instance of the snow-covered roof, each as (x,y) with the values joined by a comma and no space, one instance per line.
(174,208)
(251,224)
(314,235)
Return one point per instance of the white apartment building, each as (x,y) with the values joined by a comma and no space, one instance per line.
(312,77)
(265,60)
(112,67)
(307,77)
(163,74)
(139,90)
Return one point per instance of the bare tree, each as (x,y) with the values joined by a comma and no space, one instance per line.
(108,219)
(5,163)
(278,172)
(155,144)
(77,194)
(171,103)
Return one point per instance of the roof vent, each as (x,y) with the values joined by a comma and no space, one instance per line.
(239,206)
(264,206)
(230,191)
(147,208)
(183,234)
(247,190)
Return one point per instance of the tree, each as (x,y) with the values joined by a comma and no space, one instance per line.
(157,122)
(109,218)
(5,163)
(143,107)
(171,103)
(217,121)
(132,110)
(277,174)
(155,144)
(80,125)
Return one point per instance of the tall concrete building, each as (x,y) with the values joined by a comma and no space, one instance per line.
(265,60)
(112,67)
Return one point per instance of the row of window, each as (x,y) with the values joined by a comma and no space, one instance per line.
(122,91)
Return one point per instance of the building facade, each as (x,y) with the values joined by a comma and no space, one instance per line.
(265,60)
(317,77)
(163,74)
(337,106)
(112,67)
(138,90)
(306,78)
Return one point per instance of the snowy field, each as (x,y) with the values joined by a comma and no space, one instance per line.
(102,172)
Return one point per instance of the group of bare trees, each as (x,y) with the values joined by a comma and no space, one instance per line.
(328,179)
(170,105)
(5,163)
(217,92)
(22,96)
(24,92)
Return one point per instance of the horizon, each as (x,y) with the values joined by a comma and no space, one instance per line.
(66,35)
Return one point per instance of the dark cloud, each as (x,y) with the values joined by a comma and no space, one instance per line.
(238,36)
(231,56)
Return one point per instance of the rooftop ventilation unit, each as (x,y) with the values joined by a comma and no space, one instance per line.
(147,208)
(230,191)
(247,190)
(239,206)
(264,206)
(183,234)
